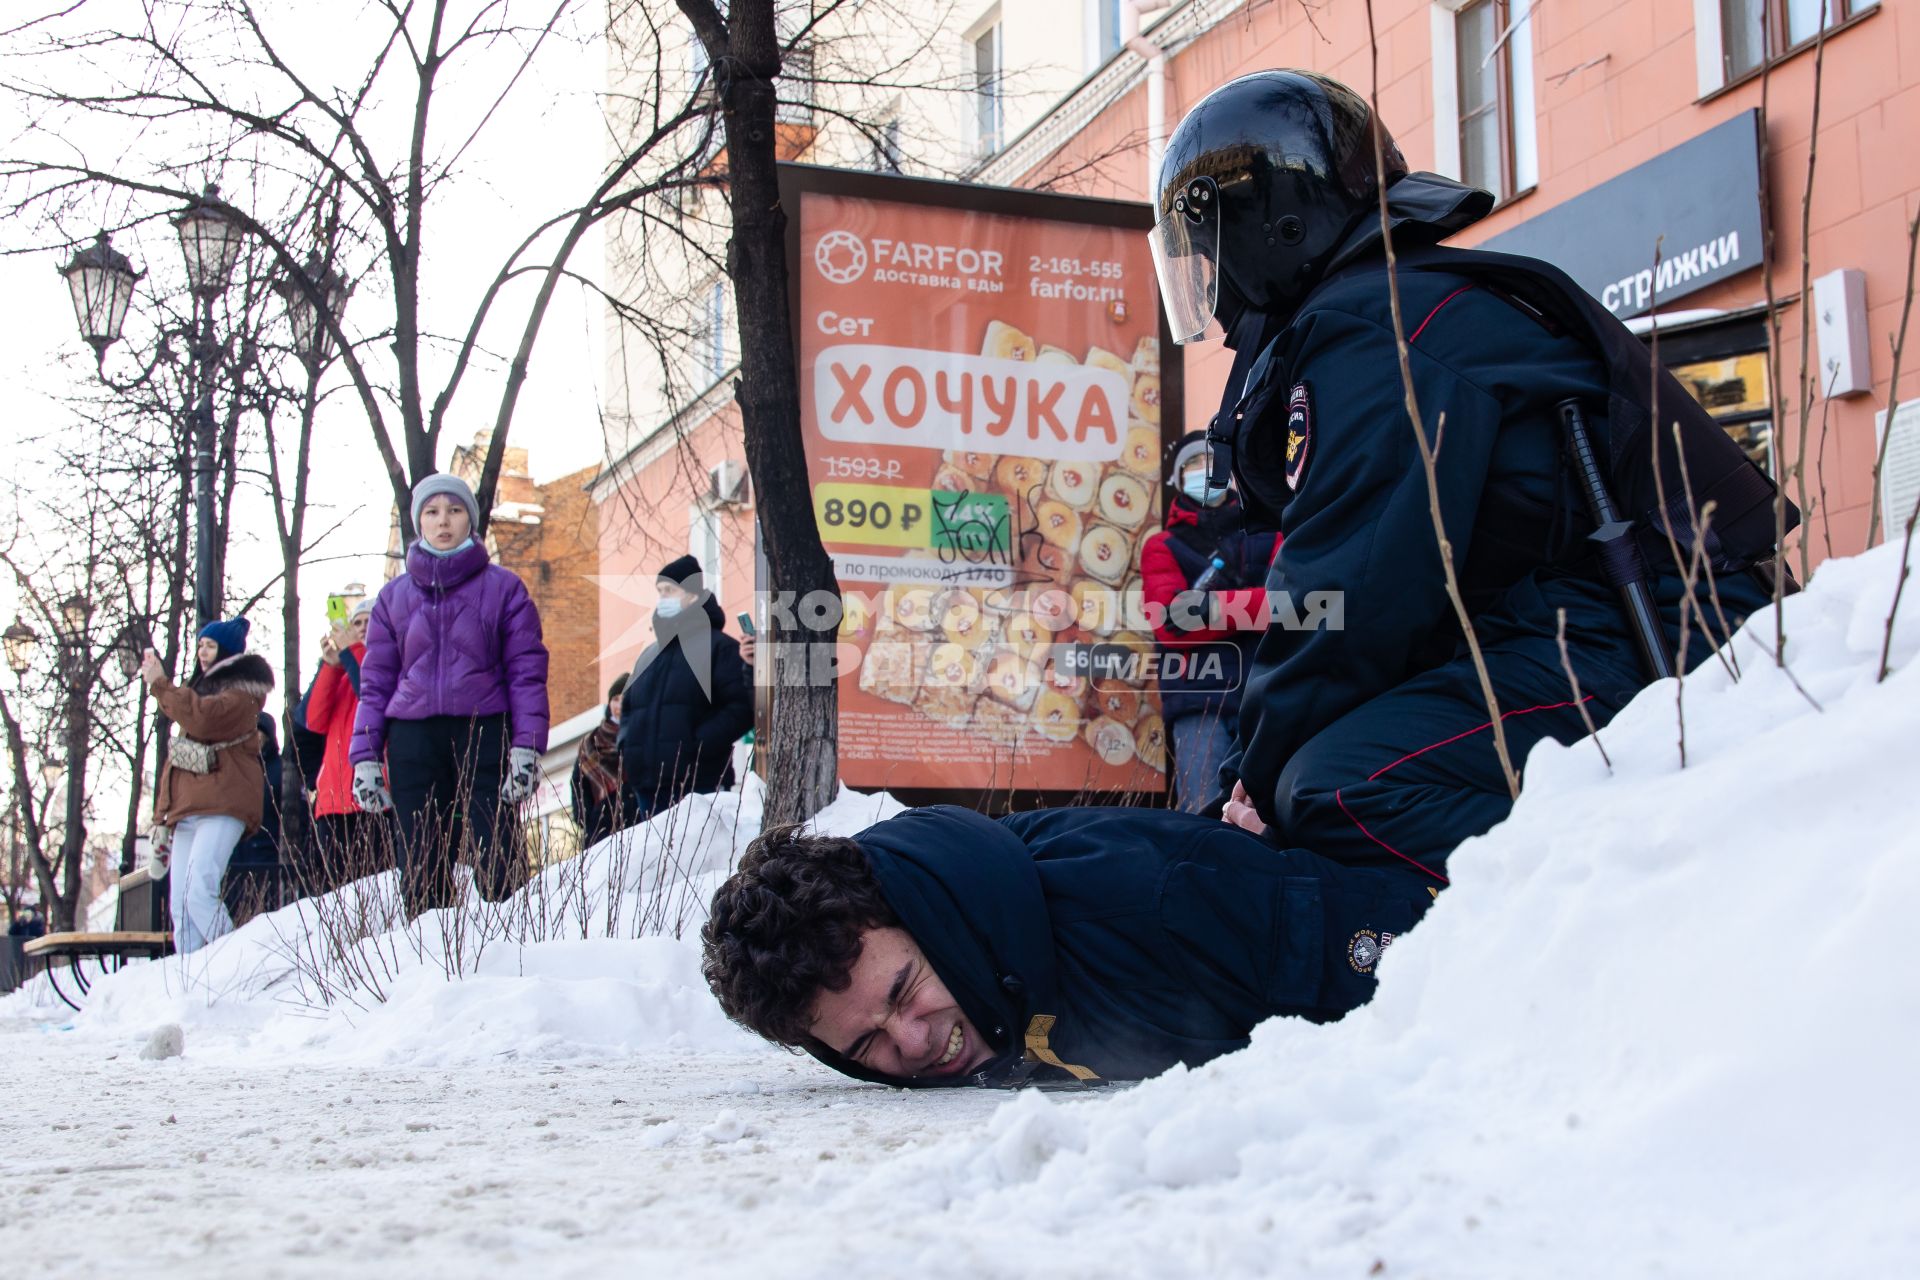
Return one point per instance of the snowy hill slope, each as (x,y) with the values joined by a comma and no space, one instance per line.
(1664,1023)
(597,959)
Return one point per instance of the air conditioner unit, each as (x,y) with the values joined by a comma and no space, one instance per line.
(727,483)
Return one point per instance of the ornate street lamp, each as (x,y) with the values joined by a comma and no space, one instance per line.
(312,339)
(74,611)
(211,241)
(129,647)
(20,641)
(101,280)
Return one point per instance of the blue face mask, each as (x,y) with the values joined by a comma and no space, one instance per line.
(432,550)
(1194,485)
(668,607)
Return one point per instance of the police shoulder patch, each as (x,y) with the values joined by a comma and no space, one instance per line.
(1299,434)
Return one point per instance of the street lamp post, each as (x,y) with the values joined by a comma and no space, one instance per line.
(211,242)
(101,281)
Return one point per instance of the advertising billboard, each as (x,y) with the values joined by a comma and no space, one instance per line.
(985,399)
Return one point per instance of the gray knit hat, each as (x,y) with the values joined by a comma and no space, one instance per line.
(441,482)
(366,606)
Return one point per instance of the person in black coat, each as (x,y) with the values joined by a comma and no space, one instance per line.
(941,947)
(689,699)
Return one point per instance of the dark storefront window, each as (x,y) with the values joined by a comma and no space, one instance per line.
(1752,31)
(1485,78)
(1724,366)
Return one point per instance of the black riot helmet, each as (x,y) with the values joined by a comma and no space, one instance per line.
(1259,185)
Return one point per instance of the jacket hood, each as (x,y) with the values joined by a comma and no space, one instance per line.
(443,573)
(965,887)
(1423,208)
(247,673)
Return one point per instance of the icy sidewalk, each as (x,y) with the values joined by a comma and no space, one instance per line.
(117,1166)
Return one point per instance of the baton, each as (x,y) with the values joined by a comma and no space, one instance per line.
(1619,555)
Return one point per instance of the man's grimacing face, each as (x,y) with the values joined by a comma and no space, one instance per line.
(896,1018)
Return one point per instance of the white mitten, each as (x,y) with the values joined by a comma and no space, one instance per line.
(523,774)
(370,789)
(159,851)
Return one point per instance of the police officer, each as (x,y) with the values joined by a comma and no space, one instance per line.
(1371,743)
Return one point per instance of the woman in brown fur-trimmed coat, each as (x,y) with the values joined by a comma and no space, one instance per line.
(211,790)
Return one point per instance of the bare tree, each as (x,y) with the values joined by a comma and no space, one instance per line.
(56,719)
(128,122)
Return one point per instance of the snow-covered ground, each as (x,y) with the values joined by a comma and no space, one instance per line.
(1665,1023)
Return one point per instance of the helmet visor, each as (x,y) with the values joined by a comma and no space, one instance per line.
(1186,257)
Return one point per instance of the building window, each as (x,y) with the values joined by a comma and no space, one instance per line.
(796,88)
(1734,390)
(703,544)
(988,113)
(886,148)
(1723,365)
(697,62)
(713,331)
(1484,80)
(1103,31)
(1485,133)
(1739,37)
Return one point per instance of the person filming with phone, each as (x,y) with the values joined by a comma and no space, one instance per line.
(689,699)
(350,842)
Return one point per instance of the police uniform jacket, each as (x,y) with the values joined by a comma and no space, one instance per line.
(1494,345)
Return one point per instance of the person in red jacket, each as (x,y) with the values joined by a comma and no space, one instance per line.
(1206,636)
(349,843)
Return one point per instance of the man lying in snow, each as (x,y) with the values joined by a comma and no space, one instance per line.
(941,947)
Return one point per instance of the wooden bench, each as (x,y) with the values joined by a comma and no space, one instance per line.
(109,951)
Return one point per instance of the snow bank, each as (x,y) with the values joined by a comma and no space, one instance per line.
(597,958)
(1663,1023)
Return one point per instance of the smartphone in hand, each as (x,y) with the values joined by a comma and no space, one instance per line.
(746,623)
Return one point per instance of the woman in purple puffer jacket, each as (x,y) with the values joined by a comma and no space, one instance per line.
(453,692)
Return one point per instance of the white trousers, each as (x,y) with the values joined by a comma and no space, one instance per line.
(202,847)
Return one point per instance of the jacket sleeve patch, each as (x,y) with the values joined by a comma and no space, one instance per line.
(1299,434)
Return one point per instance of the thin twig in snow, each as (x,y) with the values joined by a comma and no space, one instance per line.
(1579,699)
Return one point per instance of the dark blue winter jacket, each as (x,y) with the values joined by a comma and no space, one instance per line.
(1495,344)
(1111,944)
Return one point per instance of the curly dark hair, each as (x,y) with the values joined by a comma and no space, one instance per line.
(786,926)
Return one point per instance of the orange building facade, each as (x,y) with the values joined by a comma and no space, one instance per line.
(1580,116)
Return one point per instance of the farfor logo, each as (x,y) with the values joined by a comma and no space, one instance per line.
(840,257)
